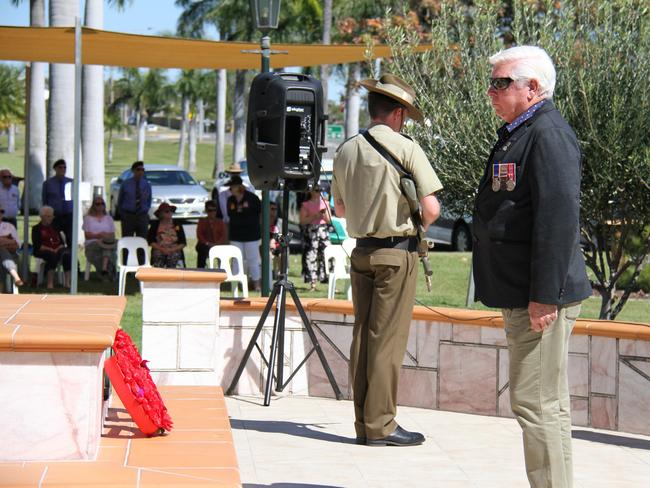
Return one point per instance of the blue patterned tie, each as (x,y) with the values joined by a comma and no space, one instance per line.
(138,196)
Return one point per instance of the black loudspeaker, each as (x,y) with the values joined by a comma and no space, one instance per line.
(285,131)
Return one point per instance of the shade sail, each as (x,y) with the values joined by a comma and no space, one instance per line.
(56,45)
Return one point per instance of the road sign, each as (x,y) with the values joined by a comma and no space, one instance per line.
(335,132)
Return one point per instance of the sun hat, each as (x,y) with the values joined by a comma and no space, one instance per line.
(235,168)
(162,207)
(397,89)
(107,242)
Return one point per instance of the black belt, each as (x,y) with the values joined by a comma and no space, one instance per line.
(408,243)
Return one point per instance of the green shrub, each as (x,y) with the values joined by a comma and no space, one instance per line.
(642,282)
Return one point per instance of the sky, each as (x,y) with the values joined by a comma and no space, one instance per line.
(147,17)
(140,17)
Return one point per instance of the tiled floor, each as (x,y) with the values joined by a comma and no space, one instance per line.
(300,442)
(308,442)
(197,452)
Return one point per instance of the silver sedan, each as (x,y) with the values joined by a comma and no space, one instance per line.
(168,184)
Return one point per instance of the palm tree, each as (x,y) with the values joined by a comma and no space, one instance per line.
(191,24)
(299,21)
(327,39)
(147,94)
(113,120)
(185,86)
(12,101)
(92,106)
(352,100)
(202,89)
(205,88)
(239,116)
(37,118)
(60,110)
(351,29)
(193,86)
(220,117)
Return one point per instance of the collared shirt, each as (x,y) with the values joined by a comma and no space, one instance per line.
(370,186)
(10,200)
(126,198)
(524,116)
(54,193)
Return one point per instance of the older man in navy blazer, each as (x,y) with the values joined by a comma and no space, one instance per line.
(527,258)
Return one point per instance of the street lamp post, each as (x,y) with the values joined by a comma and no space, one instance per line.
(265,16)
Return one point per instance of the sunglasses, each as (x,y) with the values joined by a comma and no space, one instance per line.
(138,169)
(99,204)
(6,176)
(500,83)
(211,209)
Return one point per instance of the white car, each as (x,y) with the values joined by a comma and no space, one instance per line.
(168,184)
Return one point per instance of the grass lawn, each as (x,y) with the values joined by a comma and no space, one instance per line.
(450,270)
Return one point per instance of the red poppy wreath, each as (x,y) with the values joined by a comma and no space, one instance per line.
(132,382)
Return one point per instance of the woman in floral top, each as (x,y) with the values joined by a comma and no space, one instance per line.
(167,239)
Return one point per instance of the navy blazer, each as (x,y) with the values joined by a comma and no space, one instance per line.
(527,240)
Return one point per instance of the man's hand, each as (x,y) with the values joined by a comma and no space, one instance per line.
(541,315)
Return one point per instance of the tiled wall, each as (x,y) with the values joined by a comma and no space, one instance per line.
(456,367)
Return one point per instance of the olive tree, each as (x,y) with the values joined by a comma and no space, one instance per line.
(602,56)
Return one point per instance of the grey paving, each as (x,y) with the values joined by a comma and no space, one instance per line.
(309,442)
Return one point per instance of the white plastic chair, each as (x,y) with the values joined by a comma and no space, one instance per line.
(339,270)
(349,244)
(40,272)
(131,244)
(10,286)
(222,257)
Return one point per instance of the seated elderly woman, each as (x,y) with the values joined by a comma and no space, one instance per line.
(9,244)
(100,245)
(48,246)
(166,238)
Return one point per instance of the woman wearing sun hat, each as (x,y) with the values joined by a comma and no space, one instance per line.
(166,238)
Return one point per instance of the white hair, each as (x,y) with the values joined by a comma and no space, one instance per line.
(45,207)
(530,63)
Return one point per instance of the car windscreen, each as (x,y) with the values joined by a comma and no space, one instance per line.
(169,178)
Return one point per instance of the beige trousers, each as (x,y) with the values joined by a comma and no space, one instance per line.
(383,292)
(539,394)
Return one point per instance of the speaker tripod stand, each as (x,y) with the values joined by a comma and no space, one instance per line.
(279,296)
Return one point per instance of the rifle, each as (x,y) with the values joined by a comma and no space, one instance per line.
(424,244)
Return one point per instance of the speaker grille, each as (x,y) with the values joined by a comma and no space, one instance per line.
(300,96)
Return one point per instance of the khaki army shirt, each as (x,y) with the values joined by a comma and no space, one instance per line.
(369,185)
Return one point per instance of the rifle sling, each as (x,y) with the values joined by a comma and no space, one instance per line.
(400,169)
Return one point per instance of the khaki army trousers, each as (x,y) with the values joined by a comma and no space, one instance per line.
(383,292)
(539,394)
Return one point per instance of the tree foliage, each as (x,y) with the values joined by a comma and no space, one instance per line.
(12,96)
(602,56)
